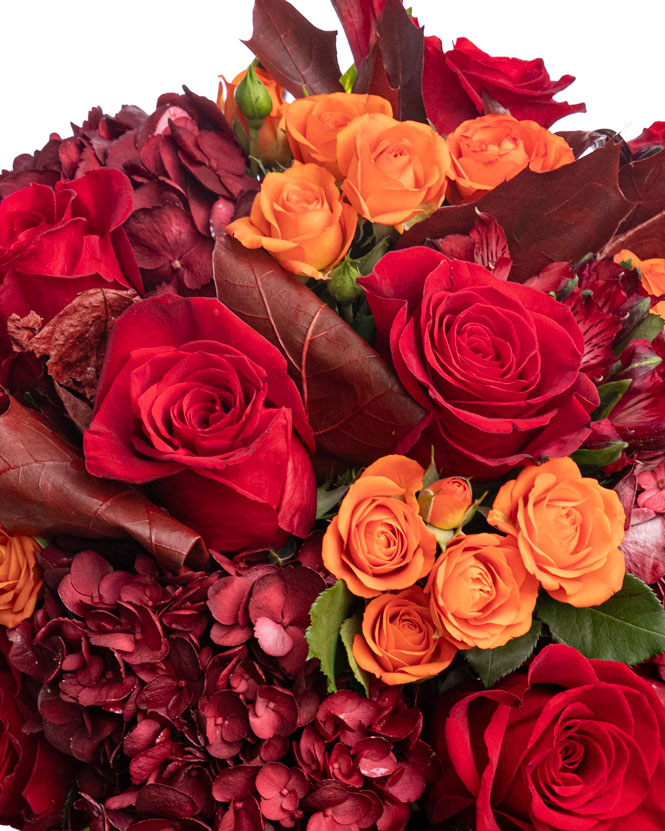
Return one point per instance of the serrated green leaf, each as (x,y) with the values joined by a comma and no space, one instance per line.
(351,627)
(610,395)
(599,456)
(492,664)
(327,614)
(629,627)
(326,500)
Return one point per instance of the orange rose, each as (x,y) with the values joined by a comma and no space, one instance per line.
(653,275)
(273,146)
(480,593)
(445,503)
(491,149)
(378,542)
(20,579)
(399,642)
(568,530)
(394,170)
(300,218)
(312,124)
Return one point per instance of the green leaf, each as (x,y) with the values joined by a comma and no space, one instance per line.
(366,263)
(648,325)
(492,664)
(599,456)
(610,395)
(327,615)
(651,326)
(629,627)
(351,627)
(326,500)
(348,79)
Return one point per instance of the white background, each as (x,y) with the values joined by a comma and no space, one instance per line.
(60,58)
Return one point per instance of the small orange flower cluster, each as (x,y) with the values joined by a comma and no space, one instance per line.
(560,530)
(389,172)
(352,158)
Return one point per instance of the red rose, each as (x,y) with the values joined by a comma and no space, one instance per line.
(455,81)
(496,364)
(575,745)
(195,401)
(34,778)
(57,242)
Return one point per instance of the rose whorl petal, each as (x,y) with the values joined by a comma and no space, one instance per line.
(193,400)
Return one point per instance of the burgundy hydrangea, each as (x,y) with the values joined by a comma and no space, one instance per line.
(187,169)
(191,701)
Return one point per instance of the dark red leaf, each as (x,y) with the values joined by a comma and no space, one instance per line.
(297,54)
(357,408)
(401,46)
(643,184)
(646,240)
(372,79)
(75,340)
(358,17)
(45,490)
(446,103)
(560,215)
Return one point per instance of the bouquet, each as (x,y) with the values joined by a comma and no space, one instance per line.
(332,452)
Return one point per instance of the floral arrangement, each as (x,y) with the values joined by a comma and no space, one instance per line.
(332,452)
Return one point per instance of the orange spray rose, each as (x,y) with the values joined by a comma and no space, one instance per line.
(444,503)
(273,146)
(653,275)
(491,149)
(399,642)
(568,530)
(299,217)
(393,170)
(312,124)
(378,542)
(20,578)
(480,592)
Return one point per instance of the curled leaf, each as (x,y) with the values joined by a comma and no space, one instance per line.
(355,403)
(45,490)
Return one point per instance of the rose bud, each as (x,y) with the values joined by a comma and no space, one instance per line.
(253,99)
(444,503)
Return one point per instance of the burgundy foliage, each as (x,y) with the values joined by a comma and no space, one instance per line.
(354,401)
(558,216)
(45,489)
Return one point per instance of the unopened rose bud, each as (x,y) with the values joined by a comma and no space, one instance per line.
(342,285)
(253,99)
(445,502)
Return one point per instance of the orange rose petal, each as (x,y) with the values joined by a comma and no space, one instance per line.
(20,579)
